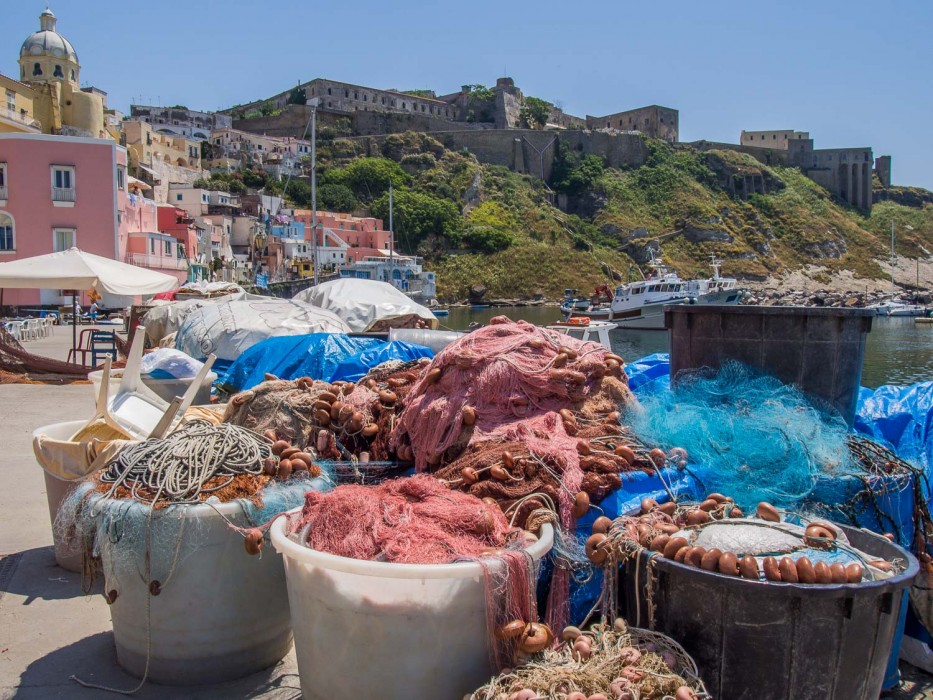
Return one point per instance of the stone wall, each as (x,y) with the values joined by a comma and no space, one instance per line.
(883,170)
(531,151)
(654,121)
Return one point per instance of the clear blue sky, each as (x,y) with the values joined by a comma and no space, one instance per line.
(851,72)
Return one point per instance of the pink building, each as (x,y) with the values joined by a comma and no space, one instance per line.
(57,192)
(363,236)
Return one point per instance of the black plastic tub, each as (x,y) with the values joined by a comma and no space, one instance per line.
(775,641)
(819,350)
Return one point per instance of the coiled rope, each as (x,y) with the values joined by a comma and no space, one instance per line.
(198,458)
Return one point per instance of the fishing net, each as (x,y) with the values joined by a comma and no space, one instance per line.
(753,436)
(414,520)
(342,421)
(603,662)
(16,361)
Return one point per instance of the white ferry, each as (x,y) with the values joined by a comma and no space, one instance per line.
(640,305)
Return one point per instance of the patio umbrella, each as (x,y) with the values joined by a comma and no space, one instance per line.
(74,269)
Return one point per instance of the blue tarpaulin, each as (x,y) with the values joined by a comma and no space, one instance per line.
(327,356)
(355,367)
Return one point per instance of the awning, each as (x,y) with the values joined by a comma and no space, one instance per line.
(150,171)
(139,183)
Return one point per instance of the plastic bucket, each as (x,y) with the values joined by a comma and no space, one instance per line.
(391,631)
(166,389)
(57,489)
(776,641)
(219,614)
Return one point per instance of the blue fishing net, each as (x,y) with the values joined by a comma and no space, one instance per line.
(748,435)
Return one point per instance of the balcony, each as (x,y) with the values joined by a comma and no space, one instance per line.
(156,262)
(63,194)
(22,122)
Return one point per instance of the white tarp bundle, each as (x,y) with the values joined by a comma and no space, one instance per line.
(209,289)
(227,328)
(367,305)
(165,318)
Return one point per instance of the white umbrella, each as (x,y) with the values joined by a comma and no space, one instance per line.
(75,269)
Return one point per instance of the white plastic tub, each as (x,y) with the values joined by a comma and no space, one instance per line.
(391,631)
(221,614)
(166,389)
(57,490)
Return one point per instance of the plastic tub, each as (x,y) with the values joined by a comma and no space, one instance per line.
(391,631)
(820,350)
(166,389)
(220,614)
(777,640)
(58,489)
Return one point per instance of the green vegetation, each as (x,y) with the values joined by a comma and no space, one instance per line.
(296,96)
(421,93)
(485,224)
(534,112)
(481,104)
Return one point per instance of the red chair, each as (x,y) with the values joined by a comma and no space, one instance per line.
(84,346)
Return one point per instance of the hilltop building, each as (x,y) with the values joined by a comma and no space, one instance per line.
(846,172)
(181,121)
(654,121)
(278,155)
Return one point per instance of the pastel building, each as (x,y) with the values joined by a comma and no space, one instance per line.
(57,192)
(16,109)
(353,237)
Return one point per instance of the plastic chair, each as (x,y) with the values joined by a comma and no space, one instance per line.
(84,346)
(102,343)
(16,329)
(32,329)
(135,409)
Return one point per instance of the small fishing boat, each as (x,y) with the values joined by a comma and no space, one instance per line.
(572,302)
(584,329)
(892,307)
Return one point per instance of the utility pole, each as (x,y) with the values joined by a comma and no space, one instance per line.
(893,259)
(314,103)
(391,239)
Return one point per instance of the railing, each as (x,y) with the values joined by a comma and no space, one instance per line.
(163,262)
(3,193)
(21,118)
(63,194)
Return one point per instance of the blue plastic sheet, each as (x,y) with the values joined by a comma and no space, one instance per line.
(355,367)
(326,356)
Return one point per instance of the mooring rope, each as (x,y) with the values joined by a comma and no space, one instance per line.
(177,468)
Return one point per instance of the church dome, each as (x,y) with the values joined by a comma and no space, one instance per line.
(48,42)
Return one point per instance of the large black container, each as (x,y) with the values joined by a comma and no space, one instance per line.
(776,641)
(819,350)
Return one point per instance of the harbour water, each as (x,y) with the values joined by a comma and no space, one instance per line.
(898,351)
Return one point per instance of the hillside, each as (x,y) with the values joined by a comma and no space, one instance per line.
(483,224)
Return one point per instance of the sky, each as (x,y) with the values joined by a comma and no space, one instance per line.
(853,73)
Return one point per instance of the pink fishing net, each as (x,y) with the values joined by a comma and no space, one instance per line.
(415,520)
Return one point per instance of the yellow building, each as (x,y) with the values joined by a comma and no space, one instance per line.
(148,147)
(48,64)
(16,110)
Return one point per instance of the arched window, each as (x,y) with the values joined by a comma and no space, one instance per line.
(72,74)
(7,241)
(36,69)
(59,73)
